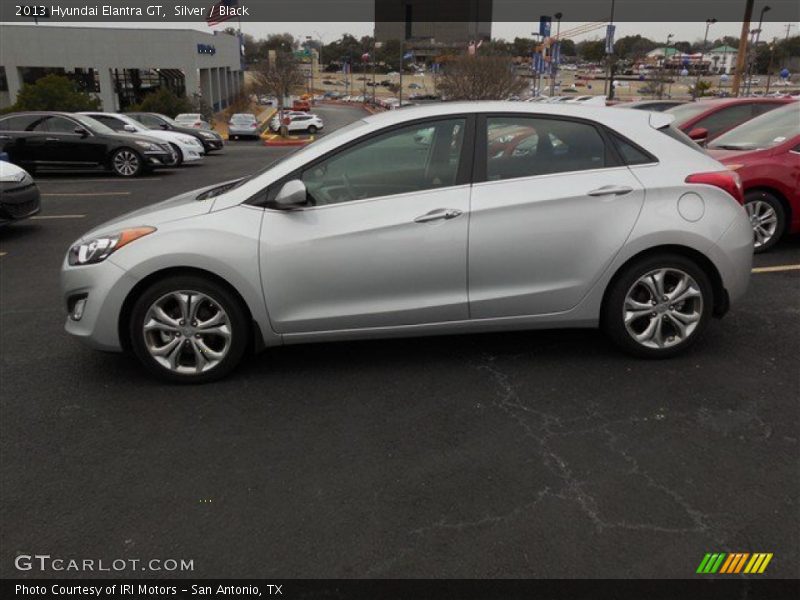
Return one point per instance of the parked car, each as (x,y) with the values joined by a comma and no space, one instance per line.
(186,148)
(243,125)
(765,152)
(19,195)
(415,86)
(301,105)
(275,122)
(211,140)
(706,120)
(306,122)
(61,140)
(192,120)
(413,239)
(654,105)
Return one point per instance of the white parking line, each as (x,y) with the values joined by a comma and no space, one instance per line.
(776,269)
(42,217)
(89,194)
(117,180)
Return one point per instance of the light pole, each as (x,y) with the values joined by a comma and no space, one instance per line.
(757,31)
(608,87)
(664,66)
(554,69)
(709,23)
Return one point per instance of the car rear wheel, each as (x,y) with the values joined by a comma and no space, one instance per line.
(178,155)
(658,306)
(189,329)
(127,163)
(312,129)
(767,218)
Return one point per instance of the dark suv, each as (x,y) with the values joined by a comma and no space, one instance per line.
(211,140)
(70,141)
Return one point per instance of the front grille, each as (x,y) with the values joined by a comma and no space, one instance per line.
(21,209)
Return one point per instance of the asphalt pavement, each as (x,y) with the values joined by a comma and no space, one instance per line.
(537,454)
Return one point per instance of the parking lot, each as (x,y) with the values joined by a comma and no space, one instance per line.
(537,454)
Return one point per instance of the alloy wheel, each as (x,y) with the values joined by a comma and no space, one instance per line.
(187,332)
(764,220)
(663,308)
(126,163)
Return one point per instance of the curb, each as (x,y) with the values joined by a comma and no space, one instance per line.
(276,140)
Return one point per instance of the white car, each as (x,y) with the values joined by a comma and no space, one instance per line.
(192,120)
(187,148)
(275,123)
(306,122)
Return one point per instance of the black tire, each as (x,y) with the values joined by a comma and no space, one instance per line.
(757,196)
(136,161)
(237,320)
(612,318)
(312,129)
(178,155)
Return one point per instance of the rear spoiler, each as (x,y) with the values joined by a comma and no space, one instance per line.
(660,119)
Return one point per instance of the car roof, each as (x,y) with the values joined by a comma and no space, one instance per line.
(604,114)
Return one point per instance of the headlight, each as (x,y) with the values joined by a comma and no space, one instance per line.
(101,247)
(15,177)
(206,134)
(148,146)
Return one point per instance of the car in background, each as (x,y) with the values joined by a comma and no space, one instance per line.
(19,195)
(654,105)
(301,105)
(62,140)
(243,125)
(765,152)
(211,140)
(187,148)
(194,120)
(607,218)
(309,123)
(706,120)
(275,121)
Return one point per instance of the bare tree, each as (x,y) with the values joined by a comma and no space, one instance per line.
(480,78)
(279,77)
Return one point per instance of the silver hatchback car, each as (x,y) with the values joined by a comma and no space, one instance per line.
(451,218)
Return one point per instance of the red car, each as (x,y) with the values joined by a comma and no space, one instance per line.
(706,120)
(765,152)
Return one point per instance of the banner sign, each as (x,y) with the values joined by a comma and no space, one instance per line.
(544,25)
(610,39)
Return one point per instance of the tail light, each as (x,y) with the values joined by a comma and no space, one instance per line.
(253,125)
(725,180)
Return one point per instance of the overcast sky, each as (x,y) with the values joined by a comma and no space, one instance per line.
(332,31)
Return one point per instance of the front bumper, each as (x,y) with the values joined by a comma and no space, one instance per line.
(249,131)
(160,159)
(18,203)
(211,145)
(104,287)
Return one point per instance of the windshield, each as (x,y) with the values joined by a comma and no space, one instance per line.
(187,117)
(684,112)
(766,131)
(93,124)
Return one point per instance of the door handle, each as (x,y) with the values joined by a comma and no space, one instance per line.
(611,190)
(52,139)
(5,137)
(438,215)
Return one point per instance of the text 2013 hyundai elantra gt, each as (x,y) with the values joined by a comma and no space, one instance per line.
(453,218)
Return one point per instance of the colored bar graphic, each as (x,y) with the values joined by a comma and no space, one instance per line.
(734,563)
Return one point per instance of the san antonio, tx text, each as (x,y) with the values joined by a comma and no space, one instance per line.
(269,589)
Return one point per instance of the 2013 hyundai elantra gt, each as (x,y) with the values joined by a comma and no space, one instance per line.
(453,218)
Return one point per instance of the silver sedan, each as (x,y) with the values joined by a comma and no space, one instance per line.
(443,219)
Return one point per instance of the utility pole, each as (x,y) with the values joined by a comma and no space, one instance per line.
(753,54)
(664,67)
(741,57)
(709,23)
(402,60)
(554,65)
(609,86)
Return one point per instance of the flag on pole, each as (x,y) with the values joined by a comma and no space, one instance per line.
(610,39)
(214,17)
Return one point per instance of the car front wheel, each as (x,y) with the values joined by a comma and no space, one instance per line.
(658,306)
(189,329)
(127,163)
(767,218)
(178,155)
(312,129)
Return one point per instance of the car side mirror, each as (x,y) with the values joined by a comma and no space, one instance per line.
(699,135)
(129,128)
(81,131)
(164,126)
(293,194)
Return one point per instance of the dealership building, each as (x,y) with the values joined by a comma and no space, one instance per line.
(121,66)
